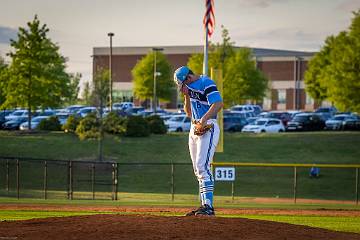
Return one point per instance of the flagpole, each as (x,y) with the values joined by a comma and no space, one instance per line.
(206,45)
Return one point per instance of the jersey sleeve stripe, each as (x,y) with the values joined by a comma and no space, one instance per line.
(210,90)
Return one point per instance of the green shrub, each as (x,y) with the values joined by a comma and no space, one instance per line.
(136,126)
(50,124)
(88,127)
(71,124)
(156,124)
(114,124)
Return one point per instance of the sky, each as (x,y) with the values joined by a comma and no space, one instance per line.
(79,25)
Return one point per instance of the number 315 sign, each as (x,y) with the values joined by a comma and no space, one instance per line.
(225,174)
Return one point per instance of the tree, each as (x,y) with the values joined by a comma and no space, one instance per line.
(334,72)
(86,95)
(101,90)
(143,75)
(37,76)
(3,80)
(73,88)
(219,54)
(243,81)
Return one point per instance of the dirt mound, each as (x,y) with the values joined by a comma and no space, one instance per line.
(154,227)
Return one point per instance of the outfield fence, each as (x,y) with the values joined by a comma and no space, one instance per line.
(43,178)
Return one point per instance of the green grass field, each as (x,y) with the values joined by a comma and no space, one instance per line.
(319,147)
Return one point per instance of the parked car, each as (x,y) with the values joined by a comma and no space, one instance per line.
(306,122)
(293,113)
(262,125)
(45,113)
(343,122)
(14,123)
(62,117)
(134,110)
(330,110)
(234,124)
(242,114)
(74,108)
(34,123)
(247,108)
(16,114)
(123,105)
(285,117)
(150,112)
(179,123)
(85,111)
(3,114)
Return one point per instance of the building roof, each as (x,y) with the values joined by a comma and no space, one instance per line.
(258,52)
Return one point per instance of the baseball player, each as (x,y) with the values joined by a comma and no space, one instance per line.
(202,103)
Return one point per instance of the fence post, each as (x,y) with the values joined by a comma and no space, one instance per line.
(18,178)
(45,180)
(172,182)
(232,191)
(93,181)
(116,181)
(295,184)
(357,186)
(7,176)
(113,182)
(70,187)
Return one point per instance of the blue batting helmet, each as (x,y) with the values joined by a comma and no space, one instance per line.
(180,74)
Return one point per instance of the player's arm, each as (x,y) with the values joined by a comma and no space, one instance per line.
(212,112)
(215,101)
(187,104)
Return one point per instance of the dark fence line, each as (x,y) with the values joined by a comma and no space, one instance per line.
(111,169)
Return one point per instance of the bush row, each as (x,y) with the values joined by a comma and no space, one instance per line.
(90,127)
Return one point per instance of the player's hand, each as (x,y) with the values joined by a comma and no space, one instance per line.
(184,89)
(202,122)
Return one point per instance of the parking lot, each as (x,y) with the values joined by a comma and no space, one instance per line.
(238,118)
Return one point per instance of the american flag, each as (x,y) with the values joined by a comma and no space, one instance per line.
(209,18)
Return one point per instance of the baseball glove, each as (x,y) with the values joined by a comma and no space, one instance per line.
(199,131)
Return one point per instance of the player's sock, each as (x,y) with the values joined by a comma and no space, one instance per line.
(206,192)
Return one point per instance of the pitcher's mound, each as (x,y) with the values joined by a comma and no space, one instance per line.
(154,227)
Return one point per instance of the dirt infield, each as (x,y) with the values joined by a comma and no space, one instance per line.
(179,210)
(154,227)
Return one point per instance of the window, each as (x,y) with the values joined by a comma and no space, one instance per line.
(281,96)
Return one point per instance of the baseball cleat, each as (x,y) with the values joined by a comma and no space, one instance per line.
(205,210)
(193,212)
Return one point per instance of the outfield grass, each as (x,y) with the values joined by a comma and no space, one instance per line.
(318,147)
(315,147)
(343,224)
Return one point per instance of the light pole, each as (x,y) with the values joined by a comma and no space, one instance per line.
(110,34)
(155,74)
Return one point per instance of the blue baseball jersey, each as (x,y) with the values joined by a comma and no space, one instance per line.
(203,93)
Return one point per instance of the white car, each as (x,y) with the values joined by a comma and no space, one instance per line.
(123,105)
(262,125)
(85,111)
(179,123)
(16,114)
(338,122)
(34,123)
